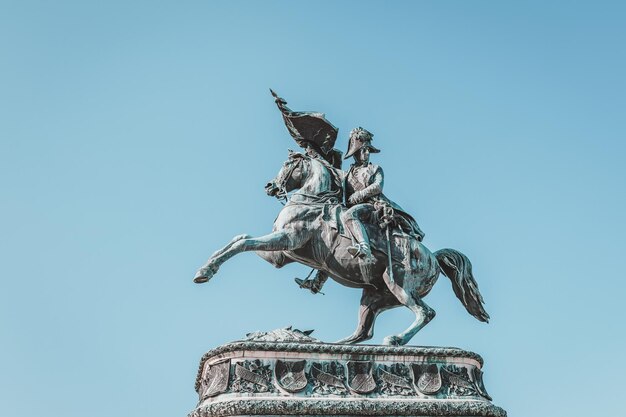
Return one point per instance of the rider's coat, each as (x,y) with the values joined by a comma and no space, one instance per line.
(366,182)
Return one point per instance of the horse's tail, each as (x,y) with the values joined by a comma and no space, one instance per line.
(458,268)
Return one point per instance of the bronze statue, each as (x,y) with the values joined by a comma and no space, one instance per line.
(343,226)
(363,195)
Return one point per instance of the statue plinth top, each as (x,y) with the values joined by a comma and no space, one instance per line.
(306,377)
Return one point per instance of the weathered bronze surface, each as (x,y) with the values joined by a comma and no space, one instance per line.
(342,225)
(286,372)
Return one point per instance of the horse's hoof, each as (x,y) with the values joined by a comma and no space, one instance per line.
(203,275)
(200,280)
(392,341)
(353,339)
(346,341)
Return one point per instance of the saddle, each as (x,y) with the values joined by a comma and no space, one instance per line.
(404,247)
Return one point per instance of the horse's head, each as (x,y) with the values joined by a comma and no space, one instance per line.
(290,176)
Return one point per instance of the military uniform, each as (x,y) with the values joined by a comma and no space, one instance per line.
(363,194)
(365,182)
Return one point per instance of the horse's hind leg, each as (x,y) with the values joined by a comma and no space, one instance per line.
(373,302)
(423,313)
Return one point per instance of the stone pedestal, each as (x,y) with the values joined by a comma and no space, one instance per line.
(289,373)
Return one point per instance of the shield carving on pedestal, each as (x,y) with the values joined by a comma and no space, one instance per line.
(215,379)
(290,375)
(328,378)
(360,377)
(426,378)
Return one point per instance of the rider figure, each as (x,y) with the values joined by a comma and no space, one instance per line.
(363,191)
(363,186)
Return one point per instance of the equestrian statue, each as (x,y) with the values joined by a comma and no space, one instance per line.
(342,226)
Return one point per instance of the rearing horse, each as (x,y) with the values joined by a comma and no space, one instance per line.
(305,232)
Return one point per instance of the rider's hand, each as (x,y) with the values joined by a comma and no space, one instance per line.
(355,198)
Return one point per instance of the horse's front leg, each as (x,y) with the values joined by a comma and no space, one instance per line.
(200,278)
(277,241)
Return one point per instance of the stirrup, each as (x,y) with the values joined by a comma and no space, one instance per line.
(309,284)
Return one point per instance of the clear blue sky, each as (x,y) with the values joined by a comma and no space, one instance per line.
(136,137)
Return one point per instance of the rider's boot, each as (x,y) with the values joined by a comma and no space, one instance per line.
(314,285)
(361,248)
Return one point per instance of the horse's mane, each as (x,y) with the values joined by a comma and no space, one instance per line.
(335,174)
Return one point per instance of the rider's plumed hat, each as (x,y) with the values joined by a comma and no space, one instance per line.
(360,138)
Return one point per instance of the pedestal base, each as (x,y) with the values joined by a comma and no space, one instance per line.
(297,375)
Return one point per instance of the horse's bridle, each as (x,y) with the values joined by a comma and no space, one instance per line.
(282,184)
(325,198)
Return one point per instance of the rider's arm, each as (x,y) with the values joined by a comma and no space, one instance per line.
(376,187)
(372,190)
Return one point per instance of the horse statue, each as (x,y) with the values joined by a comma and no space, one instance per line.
(308,231)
